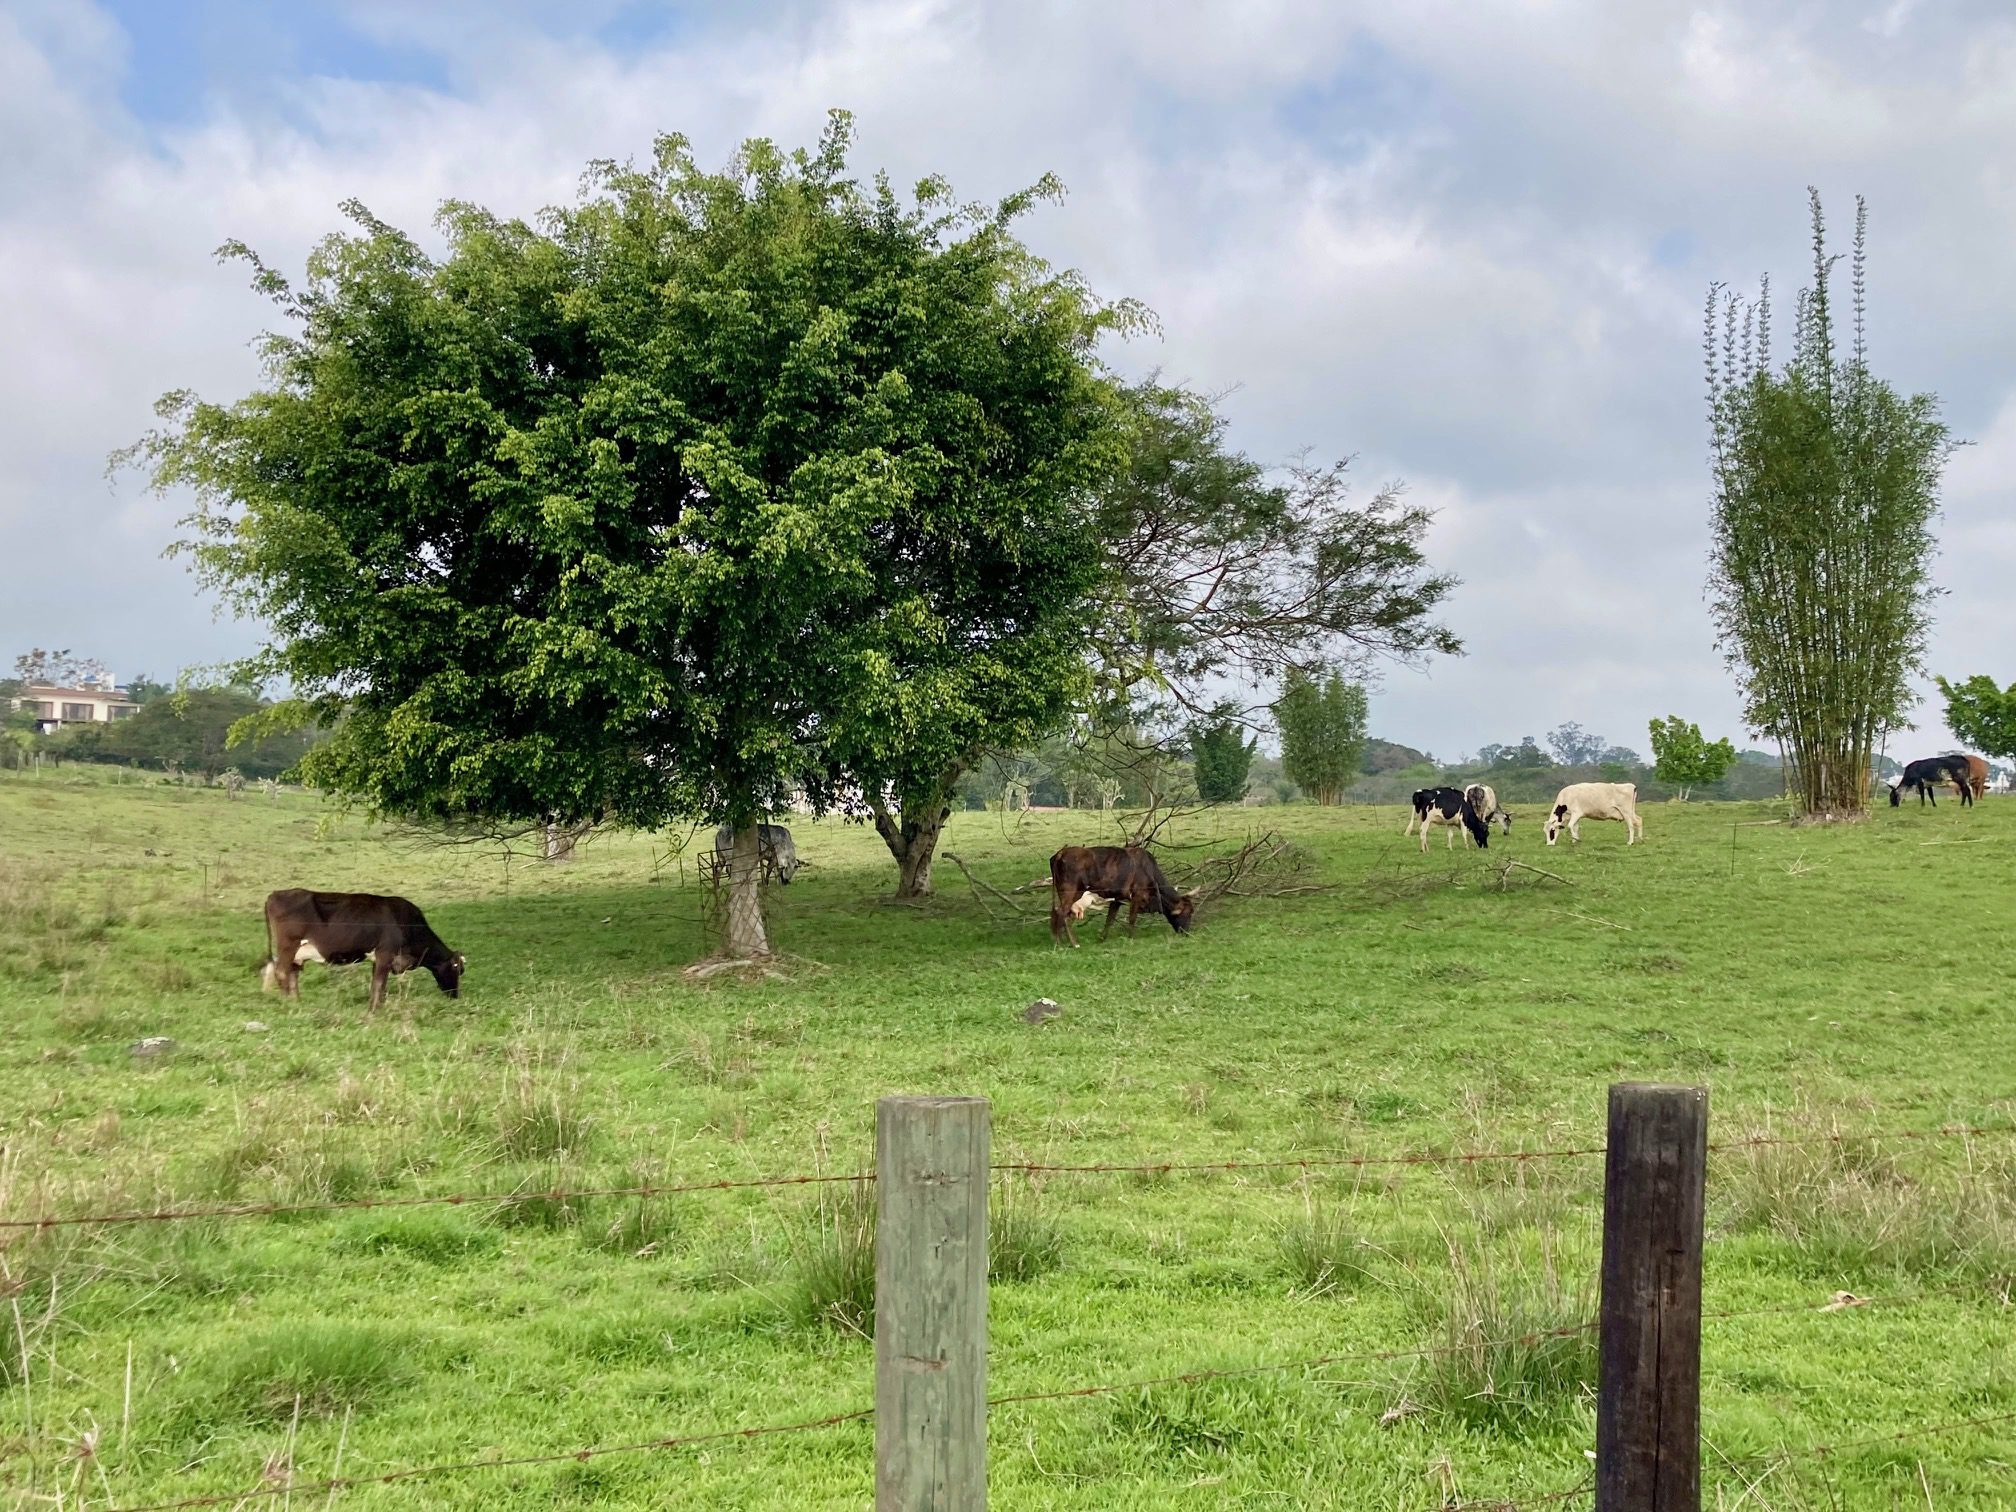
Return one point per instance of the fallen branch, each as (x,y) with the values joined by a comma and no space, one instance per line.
(983,890)
(1505,874)
(1569,913)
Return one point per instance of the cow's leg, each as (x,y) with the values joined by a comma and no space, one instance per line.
(1065,901)
(381,973)
(1424,834)
(1133,914)
(1112,913)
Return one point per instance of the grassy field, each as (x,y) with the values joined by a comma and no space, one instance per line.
(1854,978)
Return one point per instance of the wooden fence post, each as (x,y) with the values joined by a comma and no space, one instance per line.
(931,1158)
(1648,1402)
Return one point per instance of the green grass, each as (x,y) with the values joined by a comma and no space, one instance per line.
(1839,978)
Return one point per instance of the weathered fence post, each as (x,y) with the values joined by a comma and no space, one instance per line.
(1648,1402)
(931,1157)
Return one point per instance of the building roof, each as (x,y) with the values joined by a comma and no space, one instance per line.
(49,690)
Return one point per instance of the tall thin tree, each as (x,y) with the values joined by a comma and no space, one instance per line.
(1826,487)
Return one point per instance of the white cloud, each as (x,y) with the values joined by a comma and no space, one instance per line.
(1467,244)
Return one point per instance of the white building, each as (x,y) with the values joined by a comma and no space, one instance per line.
(54,707)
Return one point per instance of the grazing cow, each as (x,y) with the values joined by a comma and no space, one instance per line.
(773,848)
(1595,800)
(1933,770)
(341,928)
(1451,806)
(1120,874)
(1484,799)
(1977,776)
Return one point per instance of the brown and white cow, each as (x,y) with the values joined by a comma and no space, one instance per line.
(339,929)
(1120,874)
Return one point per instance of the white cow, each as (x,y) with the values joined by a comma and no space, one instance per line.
(1595,800)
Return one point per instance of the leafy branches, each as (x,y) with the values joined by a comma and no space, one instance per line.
(1216,568)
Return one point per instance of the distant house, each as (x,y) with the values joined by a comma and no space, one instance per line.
(55,707)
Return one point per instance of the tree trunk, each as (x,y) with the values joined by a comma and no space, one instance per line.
(911,834)
(559,843)
(744,937)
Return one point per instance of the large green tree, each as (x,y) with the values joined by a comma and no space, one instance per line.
(192,729)
(1982,714)
(706,489)
(1826,486)
(1683,757)
(1322,728)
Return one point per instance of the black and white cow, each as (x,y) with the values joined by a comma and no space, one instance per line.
(1927,774)
(1451,806)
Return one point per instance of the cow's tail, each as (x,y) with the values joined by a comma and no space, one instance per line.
(1479,830)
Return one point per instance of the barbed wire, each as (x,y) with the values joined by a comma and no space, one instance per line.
(1513,1504)
(1945,1131)
(1839,1302)
(1304,1162)
(416,1472)
(448,1199)
(1784,1456)
(1019,1167)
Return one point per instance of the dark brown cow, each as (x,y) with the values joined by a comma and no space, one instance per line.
(1119,873)
(341,928)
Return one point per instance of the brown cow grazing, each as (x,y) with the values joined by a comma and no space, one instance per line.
(341,928)
(1119,873)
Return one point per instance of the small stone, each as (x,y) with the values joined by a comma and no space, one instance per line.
(1041,1011)
(253,1026)
(153,1045)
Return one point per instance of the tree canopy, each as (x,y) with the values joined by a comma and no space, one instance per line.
(191,730)
(1218,567)
(1223,754)
(1982,713)
(707,489)
(1684,758)
(1322,732)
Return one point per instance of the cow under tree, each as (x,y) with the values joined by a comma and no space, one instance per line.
(1595,800)
(1451,806)
(774,849)
(1120,874)
(1968,774)
(340,929)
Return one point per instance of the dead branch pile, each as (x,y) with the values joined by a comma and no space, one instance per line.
(1266,866)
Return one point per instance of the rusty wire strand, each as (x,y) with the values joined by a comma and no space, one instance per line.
(1020,1167)
(1568,1331)
(415,1472)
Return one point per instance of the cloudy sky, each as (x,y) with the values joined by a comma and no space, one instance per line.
(1464,242)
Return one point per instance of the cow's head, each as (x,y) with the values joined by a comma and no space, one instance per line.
(1557,822)
(1504,821)
(1896,791)
(1180,912)
(787,867)
(447,969)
